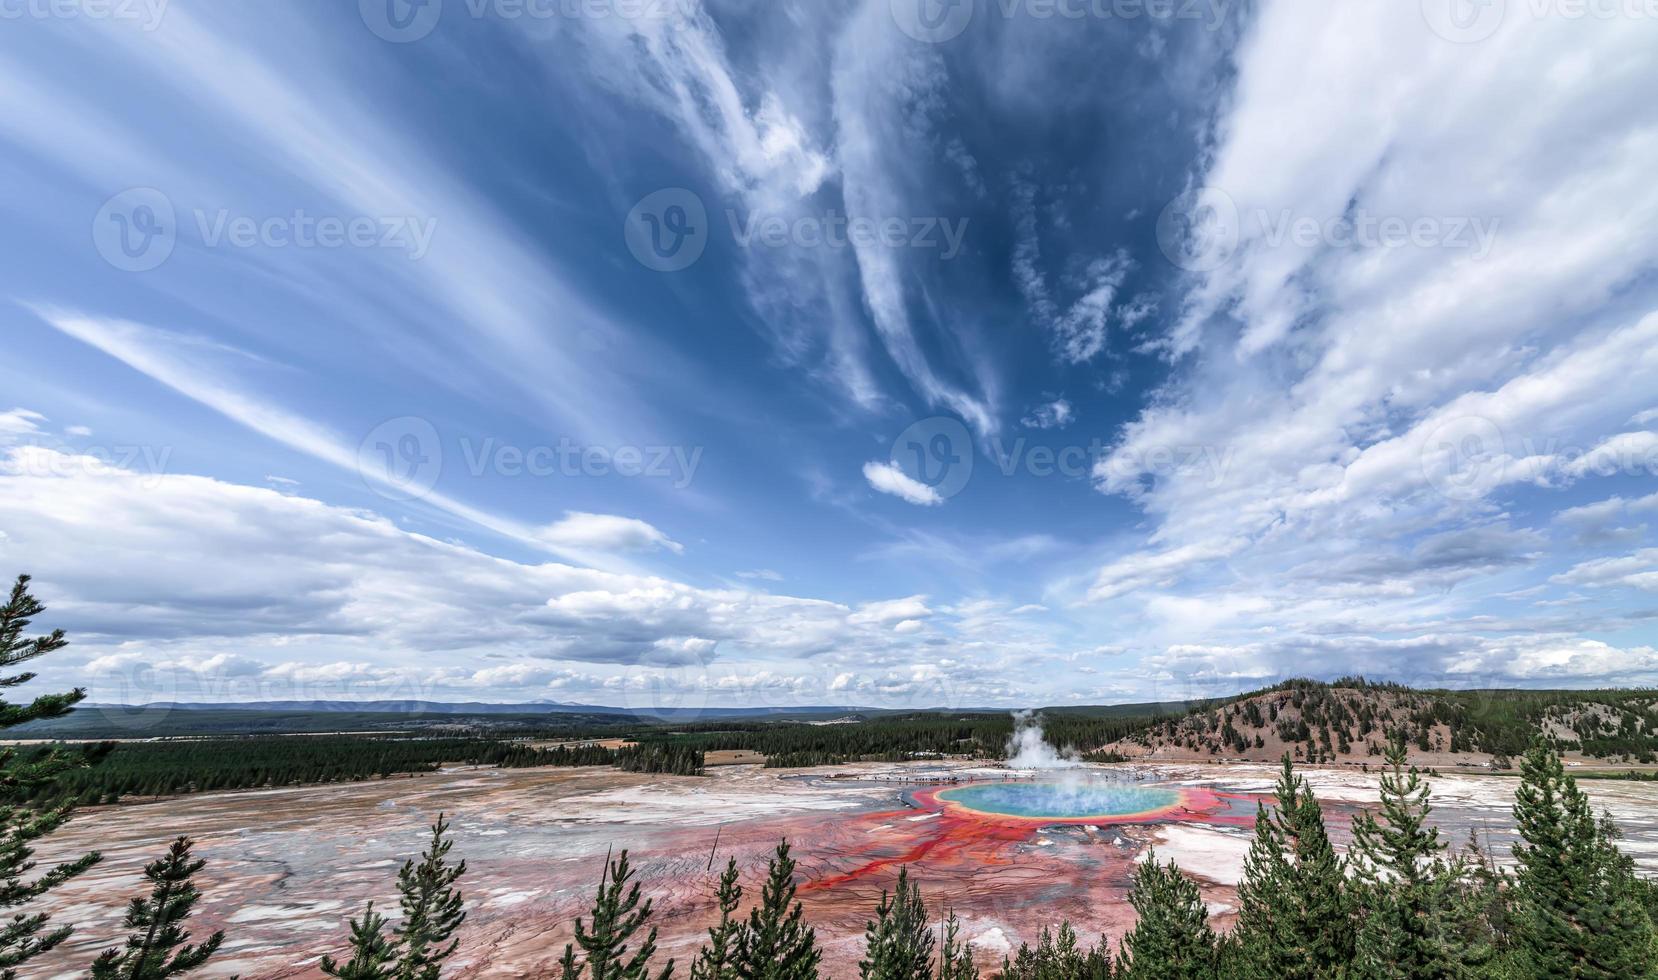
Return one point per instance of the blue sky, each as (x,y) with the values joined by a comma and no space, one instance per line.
(896,352)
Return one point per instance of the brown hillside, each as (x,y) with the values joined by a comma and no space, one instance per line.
(1320,725)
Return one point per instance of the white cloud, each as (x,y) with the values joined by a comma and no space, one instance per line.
(1160,569)
(1078,331)
(193,369)
(890,479)
(605,532)
(1377,406)
(893,610)
(519,675)
(151,570)
(882,86)
(758,144)
(1627,454)
(219,664)
(1426,660)
(1637,571)
(1056,414)
(18,422)
(1609,521)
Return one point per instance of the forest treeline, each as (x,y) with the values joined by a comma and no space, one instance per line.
(164,768)
(892,739)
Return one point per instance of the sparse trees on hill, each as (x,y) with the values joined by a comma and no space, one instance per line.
(159,946)
(1319,722)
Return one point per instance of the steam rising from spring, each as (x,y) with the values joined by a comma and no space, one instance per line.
(1028,749)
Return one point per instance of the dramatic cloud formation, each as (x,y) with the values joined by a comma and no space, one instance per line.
(1061,360)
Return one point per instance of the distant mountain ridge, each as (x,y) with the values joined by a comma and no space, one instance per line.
(472,708)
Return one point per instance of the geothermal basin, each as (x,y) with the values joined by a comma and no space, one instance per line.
(1011,853)
(1087,800)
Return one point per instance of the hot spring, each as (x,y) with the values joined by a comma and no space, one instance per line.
(1078,800)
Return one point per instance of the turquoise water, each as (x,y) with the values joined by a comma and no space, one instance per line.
(1062,801)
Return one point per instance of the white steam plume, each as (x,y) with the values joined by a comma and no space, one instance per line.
(1027,749)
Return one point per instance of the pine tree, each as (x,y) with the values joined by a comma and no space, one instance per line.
(714,961)
(617,915)
(1410,892)
(432,909)
(776,943)
(373,955)
(1576,910)
(1098,964)
(158,947)
(1294,915)
(24,936)
(955,958)
(1483,907)
(1059,957)
(897,943)
(1172,939)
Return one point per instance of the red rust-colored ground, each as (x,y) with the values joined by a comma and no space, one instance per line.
(959,834)
(287,867)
